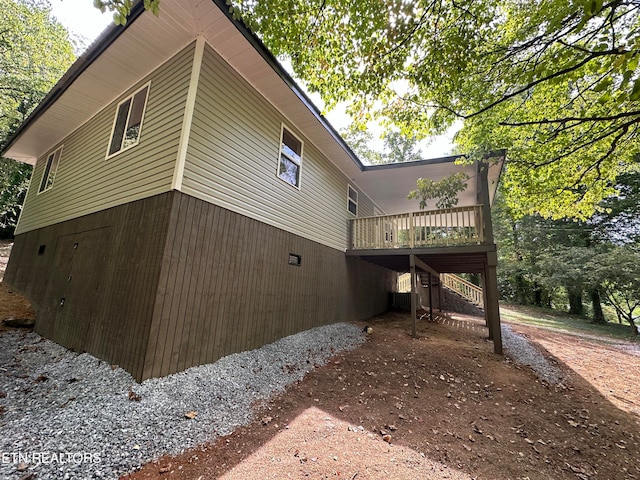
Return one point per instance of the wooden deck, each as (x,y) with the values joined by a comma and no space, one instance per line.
(426,228)
(452,240)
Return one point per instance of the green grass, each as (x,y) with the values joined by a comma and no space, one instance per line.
(542,317)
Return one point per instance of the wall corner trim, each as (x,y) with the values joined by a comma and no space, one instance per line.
(178,173)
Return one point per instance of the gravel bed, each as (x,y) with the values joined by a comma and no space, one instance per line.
(522,351)
(70,416)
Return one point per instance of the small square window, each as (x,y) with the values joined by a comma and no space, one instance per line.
(352,200)
(290,160)
(127,124)
(50,169)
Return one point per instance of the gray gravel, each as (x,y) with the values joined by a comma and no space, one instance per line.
(522,351)
(70,415)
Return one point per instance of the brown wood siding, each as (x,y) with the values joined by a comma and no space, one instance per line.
(226,286)
(165,283)
(109,280)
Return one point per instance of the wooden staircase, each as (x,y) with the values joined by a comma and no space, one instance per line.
(467,290)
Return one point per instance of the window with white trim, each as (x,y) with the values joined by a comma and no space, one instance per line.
(50,169)
(290,158)
(352,200)
(127,124)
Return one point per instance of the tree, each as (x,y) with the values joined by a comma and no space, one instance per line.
(360,141)
(397,148)
(538,256)
(556,82)
(445,190)
(14,182)
(619,270)
(618,221)
(546,262)
(568,267)
(401,148)
(122,8)
(34,53)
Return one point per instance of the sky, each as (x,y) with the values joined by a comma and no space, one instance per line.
(81,18)
(85,21)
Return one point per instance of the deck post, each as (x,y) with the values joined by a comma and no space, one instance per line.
(414,307)
(485,301)
(492,308)
(412,231)
(483,198)
(430,298)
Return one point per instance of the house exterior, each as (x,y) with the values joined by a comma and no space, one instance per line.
(188,201)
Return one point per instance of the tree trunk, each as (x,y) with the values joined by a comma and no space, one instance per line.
(575,301)
(520,290)
(547,299)
(598,315)
(634,327)
(537,295)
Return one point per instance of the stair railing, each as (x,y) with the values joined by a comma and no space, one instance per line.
(465,289)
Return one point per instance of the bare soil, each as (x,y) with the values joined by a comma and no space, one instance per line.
(12,304)
(441,406)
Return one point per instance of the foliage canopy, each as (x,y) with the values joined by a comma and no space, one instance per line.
(34,53)
(556,82)
(122,8)
(445,191)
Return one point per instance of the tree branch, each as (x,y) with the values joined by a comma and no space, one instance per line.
(579,120)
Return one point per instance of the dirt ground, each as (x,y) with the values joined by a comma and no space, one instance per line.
(12,304)
(442,406)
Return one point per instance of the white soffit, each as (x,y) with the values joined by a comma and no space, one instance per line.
(139,50)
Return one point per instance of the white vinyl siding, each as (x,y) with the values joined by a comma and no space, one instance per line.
(233,151)
(86,183)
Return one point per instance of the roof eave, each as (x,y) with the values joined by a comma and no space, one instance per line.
(103,42)
(273,62)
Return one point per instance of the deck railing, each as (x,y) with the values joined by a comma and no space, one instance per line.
(468,290)
(426,228)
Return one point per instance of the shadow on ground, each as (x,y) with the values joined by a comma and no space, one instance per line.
(442,403)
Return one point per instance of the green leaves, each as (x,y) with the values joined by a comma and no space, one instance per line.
(122,8)
(542,79)
(445,190)
(635,91)
(592,7)
(14,182)
(34,53)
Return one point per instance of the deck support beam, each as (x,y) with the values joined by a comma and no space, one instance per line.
(430,298)
(424,267)
(414,306)
(489,277)
(491,307)
(485,301)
